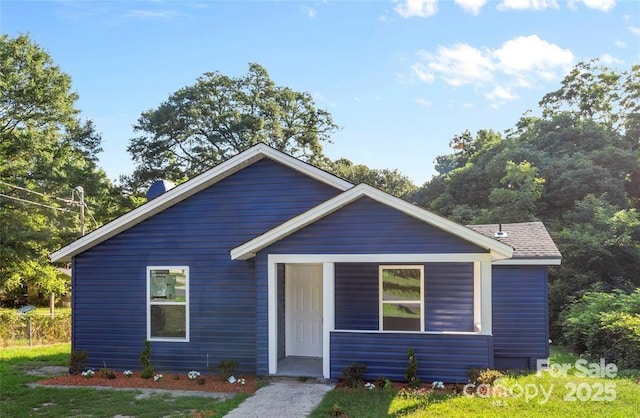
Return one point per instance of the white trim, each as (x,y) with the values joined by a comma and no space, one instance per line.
(529,262)
(328,315)
(168,303)
(380,258)
(477,299)
(373,331)
(191,187)
(248,250)
(486,327)
(381,300)
(272,306)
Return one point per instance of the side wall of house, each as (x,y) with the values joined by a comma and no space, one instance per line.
(109,284)
(520,316)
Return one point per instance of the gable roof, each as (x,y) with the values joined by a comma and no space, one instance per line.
(499,250)
(191,187)
(530,240)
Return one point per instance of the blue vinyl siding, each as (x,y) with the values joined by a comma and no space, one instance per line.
(368,227)
(520,315)
(109,284)
(356,296)
(442,357)
(448,304)
(448,296)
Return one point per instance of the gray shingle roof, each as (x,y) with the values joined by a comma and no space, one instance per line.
(528,239)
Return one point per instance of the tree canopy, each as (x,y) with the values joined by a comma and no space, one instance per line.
(204,124)
(576,167)
(46,150)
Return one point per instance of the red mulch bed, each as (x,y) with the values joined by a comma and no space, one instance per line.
(212,383)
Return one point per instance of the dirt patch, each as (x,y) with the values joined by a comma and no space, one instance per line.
(209,383)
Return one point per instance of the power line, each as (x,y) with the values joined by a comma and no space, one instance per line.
(35,203)
(34,192)
(92,218)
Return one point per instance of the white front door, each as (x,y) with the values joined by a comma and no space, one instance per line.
(303,310)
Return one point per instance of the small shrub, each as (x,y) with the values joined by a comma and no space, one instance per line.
(77,360)
(353,374)
(107,373)
(145,360)
(484,376)
(336,411)
(176,376)
(383,383)
(412,370)
(227,368)
(201,380)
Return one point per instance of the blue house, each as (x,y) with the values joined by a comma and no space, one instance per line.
(287,269)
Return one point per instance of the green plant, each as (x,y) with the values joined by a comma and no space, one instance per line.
(145,360)
(412,370)
(353,374)
(336,411)
(484,376)
(77,360)
(227,368)
(106,373)
(383,383)
(201,380)
(176,376)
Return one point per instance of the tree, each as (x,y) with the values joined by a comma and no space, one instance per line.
(202,125)
(44,148)
(390,181)
(576,167)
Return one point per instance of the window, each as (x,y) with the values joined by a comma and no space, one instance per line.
(401,296)
(168,307)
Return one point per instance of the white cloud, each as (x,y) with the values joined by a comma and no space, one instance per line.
(526,54)
(522,62)
(635,30)
(603,5)
(422,73)
(500,93)
(308,11)
(619,43)
(150,14)
(610,59)
(527,5)
(471,6)
(419,8)
(423,102)
(458,65)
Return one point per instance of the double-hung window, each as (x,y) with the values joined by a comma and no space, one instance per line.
(168,303)
(401,298)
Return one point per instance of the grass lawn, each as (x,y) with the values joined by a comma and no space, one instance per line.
(527,396)
(18,400)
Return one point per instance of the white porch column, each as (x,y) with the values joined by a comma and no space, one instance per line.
(272,296)
(328,315)
(477,297)
(486,305)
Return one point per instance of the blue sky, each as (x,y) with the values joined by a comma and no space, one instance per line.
(401,78)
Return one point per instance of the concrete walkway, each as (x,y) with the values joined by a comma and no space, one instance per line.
(282,399)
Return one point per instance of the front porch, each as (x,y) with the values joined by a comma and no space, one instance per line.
(453,313)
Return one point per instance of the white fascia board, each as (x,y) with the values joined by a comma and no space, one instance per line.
(529,262)
(189,188)
(249,249)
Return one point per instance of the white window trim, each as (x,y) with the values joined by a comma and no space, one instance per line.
(185,303)
(382,302)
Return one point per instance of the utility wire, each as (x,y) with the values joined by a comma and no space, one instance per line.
(35,203)
(92,218)
(34,192)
